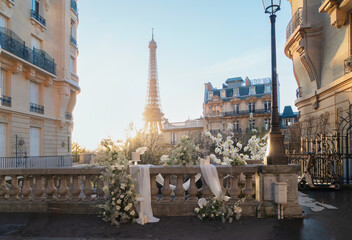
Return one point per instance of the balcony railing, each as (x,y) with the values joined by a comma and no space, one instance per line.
(74,6)
(247,112)
(5,101)
(294,23)
(36,162)
(15,45)
(68,116)
(73,40)
(36,108)
(37,17)
(348,65)
(299,92)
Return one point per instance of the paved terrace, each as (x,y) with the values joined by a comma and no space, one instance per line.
(327,215)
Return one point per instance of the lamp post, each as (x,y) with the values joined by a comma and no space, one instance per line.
(276,152)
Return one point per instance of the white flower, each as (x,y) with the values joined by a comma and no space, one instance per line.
(203,215)
(230,127)
(202,202)
(123,186)
(118,207)
(239,145)
(132,212)
(122,196)
(127,208)
(197,210)
(141,150)
(105,188)
(118,201)
(165,158)
(217,150)
(207,134)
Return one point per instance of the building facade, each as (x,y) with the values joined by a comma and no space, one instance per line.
(244,103)
(38,79)
(319,43)
(173,132)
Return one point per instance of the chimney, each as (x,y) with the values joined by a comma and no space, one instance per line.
(248,83)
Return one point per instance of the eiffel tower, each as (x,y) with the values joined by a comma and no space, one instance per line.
(153,115)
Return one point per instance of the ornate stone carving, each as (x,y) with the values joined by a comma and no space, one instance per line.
(30,75)
(4,118)
(338,17)
(17,68)
(48,82)
(36,123)
(46,5)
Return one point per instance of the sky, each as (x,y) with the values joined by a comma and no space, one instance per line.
(198,41)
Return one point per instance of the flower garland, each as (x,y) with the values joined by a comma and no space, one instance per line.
(217,209)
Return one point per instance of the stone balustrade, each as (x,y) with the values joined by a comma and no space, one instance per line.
(67,190)
(80,191)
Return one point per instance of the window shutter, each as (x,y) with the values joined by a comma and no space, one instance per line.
(34,141)
(34,93)
(2,85)
(2,140)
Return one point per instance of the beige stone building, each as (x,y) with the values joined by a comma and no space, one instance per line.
(174,131)
(319,41)
(39,82)
(244,103)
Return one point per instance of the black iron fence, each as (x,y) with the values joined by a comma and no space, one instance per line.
(294,23)
(247,112)
(74,6)
(36,108)
(5,101)
(36,162)
(15,45)
(37,17)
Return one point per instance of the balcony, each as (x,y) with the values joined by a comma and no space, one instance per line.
(36,108)
(35,15)
(247,112)
(73,40)
(294,23)
(12,43)
(68,116)
(74,6)
(5,101)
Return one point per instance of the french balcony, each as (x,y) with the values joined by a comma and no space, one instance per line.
(36,108)
(35,15)
(5,101)
(12,43)
(73,40)
(74,6)
(247,112)
(294,23)
(68,116)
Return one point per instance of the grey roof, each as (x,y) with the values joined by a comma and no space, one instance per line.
(235,79)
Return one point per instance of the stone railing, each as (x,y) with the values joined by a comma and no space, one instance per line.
(79,190)
(64,190)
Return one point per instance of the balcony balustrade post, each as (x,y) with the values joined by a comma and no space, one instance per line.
(206,193)
(179,190)
(248,189)
(14,190)
(63,189)
(50,188)
(26,189)
(75,189)
(166,190)
(87,189)
(153,188)
(100,191)
(3,189)
(192,190)
(234,190)
(38,188)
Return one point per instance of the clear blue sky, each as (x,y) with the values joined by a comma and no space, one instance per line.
(198,41)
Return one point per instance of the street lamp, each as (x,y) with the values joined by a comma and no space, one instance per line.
(276,152)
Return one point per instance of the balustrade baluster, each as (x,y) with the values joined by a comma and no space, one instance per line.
(166,190)
(206,193)
(179,190)
(153,188)
(100,191)
(26,189)
(234,190)
(192,190)
(63,189)
(50,188)
(221,180)
(38,188)
(248,189)
(75,189)
(14,189)
(87,189)
(3,189)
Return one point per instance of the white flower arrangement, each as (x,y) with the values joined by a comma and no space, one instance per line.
(185,153)
(218,209)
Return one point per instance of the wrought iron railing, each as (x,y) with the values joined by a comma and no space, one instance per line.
(15,45)
(68,116)
(5,101)
(247,112)
(36,108)
(348,65)
(73,40)
(74,6)
(37,17)
(294,23)
(36,162)
(299,92)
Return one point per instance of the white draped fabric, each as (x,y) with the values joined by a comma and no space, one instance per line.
(210,175)
(143,182)
(160,180)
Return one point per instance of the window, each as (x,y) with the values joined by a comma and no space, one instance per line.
(237,126)
(267,106)
(223,94)
(210,94)
(35,43)
(73,29)
(2,140)
(237,108)
(267,89)
(236,92)
(34,94)
(287,122)
(34,141)
(2,83)
(251,107)
(266,123)
(3,21)
(173,138)
(251,124)
(252,90)
(36,6)
(73,65)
